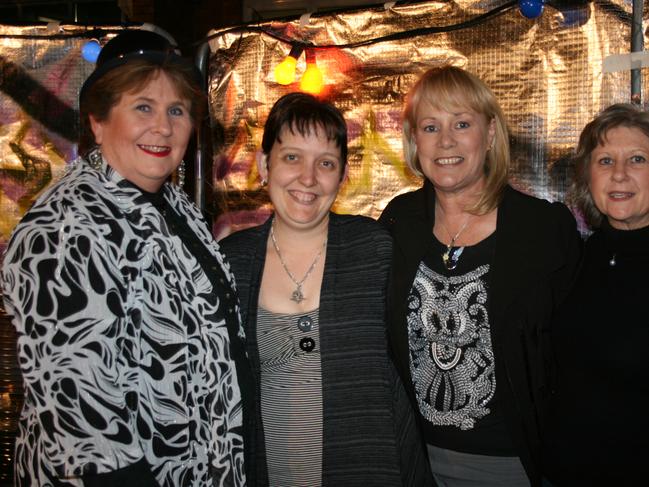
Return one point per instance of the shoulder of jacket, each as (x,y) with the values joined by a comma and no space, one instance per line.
(406,199)
(539,216)
(77,191)
(241,238)
(518,199)
(403,205)
(353,221)
(360,226)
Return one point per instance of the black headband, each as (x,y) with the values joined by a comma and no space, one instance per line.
(137,44)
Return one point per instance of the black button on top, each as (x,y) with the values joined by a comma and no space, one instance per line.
(304,323)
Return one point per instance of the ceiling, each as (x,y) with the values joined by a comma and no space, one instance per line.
(81,11)
(266,9)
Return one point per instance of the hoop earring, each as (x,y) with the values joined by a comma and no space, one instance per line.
(180,175)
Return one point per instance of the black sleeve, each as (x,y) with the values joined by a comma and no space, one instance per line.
(137,475)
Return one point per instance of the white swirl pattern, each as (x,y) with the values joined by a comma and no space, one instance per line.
(123,342)
(451,358)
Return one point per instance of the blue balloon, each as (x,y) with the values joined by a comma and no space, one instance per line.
(90,51)
(531,8)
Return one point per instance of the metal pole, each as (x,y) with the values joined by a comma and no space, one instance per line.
(199,163)
(637,45)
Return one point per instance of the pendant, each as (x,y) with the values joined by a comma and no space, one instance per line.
(451,257)
(297,295)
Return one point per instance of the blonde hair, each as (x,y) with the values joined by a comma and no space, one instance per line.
(447,88)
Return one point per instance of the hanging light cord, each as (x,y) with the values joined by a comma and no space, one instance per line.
(96,32)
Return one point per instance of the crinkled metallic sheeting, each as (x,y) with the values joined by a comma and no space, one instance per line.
(547,74)
(41,71)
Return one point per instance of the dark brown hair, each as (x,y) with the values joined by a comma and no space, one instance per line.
(304,113)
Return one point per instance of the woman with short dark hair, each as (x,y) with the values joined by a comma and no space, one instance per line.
(312,286)
(597,426)
(129,336)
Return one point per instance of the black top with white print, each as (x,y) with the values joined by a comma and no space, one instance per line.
(451,355)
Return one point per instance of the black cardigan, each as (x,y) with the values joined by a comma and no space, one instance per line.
(598,426)
(537,250)
(369,433)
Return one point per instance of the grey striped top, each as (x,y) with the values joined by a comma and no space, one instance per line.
(291,397)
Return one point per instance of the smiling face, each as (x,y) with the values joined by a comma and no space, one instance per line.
(304,173)
(452,147)
(145,134)
(619,178)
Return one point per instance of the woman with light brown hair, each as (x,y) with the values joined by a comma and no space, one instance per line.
(478,268)
(597,423)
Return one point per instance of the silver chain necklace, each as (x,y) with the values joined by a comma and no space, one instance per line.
(296,295)
(451,255)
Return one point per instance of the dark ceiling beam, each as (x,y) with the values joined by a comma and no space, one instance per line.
(138,10)
(32,3)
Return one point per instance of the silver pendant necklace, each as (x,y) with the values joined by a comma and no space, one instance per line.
(296,295)
(451,256)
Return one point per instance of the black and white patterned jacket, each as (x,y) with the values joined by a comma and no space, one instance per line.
(125,345)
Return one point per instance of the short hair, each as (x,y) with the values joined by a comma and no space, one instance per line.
(107,91)
(449,88)
(304,113)
(593,135)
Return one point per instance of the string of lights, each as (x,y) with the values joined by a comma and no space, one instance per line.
(312,80)
(390,37)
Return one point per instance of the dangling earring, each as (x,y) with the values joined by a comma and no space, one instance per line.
(180,175)
(95,159)
(263,182)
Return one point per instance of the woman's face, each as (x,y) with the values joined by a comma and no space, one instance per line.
(304,174)
(452,147)
(145,134)
(619,178)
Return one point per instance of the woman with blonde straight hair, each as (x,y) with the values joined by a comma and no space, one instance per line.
(477,269)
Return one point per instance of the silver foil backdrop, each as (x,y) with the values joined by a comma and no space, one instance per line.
(547,74)
(41,71)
